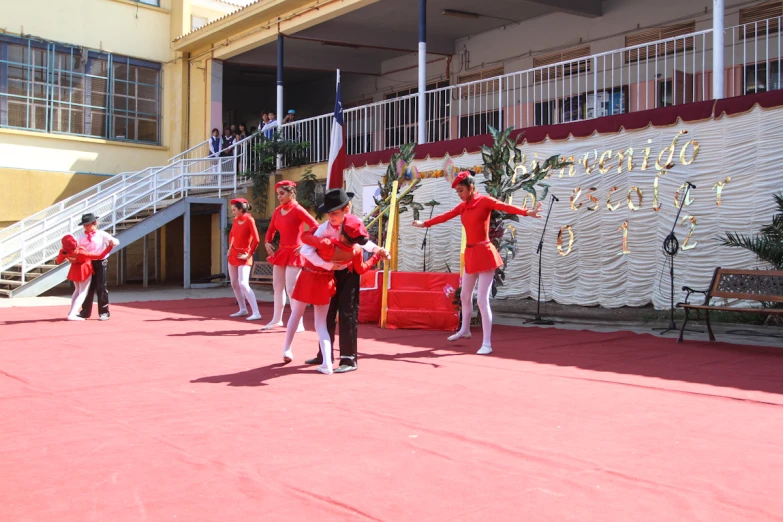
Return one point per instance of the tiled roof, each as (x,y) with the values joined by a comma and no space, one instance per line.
(229,2)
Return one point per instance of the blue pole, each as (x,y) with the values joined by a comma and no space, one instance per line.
(422,127)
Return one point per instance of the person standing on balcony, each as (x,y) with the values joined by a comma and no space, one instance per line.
(289,219)
(215,144)
(242,243)
(481,257)
(95,241)
(337,205)
(242,132)
(269,129)
(228,141)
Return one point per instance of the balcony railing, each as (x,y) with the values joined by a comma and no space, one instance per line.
(666,72)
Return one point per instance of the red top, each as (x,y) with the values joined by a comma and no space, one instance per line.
(81,268)
(243,239)
(290,227)
(475,214)
(326,248)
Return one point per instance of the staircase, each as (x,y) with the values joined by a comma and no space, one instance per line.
(128,205)
(418,300)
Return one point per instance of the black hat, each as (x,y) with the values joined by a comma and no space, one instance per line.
(335,199)
(88,218)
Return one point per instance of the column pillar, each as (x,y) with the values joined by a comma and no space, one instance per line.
(718,65)
(422,138)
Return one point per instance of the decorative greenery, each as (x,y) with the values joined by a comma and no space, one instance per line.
(501,182)
(768,243)
(306,191)
(264,165)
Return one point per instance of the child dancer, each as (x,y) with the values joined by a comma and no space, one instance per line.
(242,243)
(317,285)
(80,272)
(481,257)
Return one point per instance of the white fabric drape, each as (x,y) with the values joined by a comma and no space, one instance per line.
(745,147)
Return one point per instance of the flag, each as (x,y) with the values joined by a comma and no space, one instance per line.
(337,154)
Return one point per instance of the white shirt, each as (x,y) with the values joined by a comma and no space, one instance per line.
(325,230)
(98,242)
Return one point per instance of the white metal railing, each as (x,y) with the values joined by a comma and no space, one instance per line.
(657,74)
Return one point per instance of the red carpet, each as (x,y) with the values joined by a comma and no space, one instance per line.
(183,414)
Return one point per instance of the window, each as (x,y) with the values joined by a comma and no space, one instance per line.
(484,87)
(573,56)
(671,33)
(156,3)
(400,118)
(477,124)
(760,19)
(196,22)
(766,82)
(71,90)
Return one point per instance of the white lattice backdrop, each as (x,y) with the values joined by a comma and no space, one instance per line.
(745,147)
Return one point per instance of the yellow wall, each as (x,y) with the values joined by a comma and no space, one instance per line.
(28,191)
(292,174)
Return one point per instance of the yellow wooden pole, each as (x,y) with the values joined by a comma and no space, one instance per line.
(396,240)
(387,264)
(462,253)
(405,192)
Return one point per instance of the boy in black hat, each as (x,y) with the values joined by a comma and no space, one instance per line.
(337,204)
(95,241)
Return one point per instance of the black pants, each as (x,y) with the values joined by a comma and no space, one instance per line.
(98,284)
(346,303)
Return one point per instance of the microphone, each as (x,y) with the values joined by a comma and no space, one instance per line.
(555,197)
(691,185)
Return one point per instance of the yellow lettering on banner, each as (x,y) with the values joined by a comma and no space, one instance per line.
(646,155)
(588,168)
(668,165)
(718,187)
(592,198)
(560,240)
(621,156)
(602,167)
(609,200)
(656,206)
(571,167)
(630,201)
(524,201)
(574,197)
(685,245)
(688,200)
(520,170)
(695,145)
(624,228)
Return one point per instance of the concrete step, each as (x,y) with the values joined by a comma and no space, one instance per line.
(12,275)
(8,282)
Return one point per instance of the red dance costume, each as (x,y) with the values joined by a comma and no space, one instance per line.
(81,267)
(243,239)
(315,285)
(480,253)
(290,227)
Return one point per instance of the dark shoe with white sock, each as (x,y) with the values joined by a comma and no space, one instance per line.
(347,364)
(314,360)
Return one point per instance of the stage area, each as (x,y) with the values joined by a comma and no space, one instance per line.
(172,411)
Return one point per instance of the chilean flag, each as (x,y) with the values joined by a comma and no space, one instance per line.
(337,154)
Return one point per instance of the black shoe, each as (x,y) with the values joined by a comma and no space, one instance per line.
(345,368)
(315,360)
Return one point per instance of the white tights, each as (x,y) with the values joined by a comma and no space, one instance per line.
(320,311)
(240,283)
(484,285)
(79,293)
(283,282)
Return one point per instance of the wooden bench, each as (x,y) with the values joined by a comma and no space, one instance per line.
(261,273)
(750,285)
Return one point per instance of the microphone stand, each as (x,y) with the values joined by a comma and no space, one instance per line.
(539,251)
(424,243)
(670,247)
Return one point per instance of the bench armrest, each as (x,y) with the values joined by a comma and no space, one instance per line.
(688,291)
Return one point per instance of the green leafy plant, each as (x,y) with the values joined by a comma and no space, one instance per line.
(768,243)
(305,189)
(502,181)
(264,165)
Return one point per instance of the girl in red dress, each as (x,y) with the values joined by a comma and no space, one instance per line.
(317,285)
(80,272)
(481,257)
(289,220)
(242,243)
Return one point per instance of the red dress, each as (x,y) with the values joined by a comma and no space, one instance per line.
(243,239)
(480,253)
(315,285)
(290,227)
(81,269)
